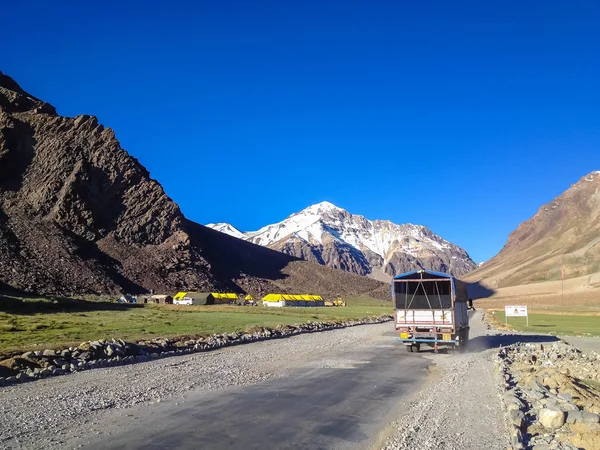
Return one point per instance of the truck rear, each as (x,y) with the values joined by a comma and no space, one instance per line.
(430,308)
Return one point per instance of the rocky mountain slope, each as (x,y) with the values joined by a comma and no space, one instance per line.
(78,214)
(330,235)
(563,233)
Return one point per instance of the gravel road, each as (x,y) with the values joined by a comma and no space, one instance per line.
(74,410)
(354,382)
(460,407)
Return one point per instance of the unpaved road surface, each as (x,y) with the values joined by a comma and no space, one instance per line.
(460,406)
(335,389)
(355,388)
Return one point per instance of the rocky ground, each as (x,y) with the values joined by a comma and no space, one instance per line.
(552,395)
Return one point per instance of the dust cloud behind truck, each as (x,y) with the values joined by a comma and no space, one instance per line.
(430,308)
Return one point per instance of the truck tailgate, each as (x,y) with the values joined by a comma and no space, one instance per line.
(429,316)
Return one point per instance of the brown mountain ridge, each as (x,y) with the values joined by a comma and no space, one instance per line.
(78,215)
(564,233)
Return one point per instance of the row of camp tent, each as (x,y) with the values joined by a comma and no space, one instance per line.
(215,298)
(207,298)
(218,298)
(185,298)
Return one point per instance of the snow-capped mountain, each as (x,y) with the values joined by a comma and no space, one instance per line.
(330,235)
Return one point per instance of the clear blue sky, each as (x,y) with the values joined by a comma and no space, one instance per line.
(464,117)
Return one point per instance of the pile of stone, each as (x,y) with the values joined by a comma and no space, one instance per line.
(34,365)
(549,405)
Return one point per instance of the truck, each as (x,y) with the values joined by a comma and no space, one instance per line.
(430,308)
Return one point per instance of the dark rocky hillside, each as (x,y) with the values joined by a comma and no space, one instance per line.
(78,215)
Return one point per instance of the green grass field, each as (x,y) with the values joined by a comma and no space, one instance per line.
(33,323)
(562,324)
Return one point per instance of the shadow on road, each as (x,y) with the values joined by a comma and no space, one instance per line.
(482,343)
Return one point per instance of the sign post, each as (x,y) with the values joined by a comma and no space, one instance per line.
(516,311)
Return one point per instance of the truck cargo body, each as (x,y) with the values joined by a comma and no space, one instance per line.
(430,308)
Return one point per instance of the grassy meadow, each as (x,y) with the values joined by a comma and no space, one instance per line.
(33,323)
(557,323)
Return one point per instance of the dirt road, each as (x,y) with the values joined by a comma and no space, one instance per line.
(353,388)
(334,389)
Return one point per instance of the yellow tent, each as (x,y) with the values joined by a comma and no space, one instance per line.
(221,298)
(292,300)
(224,296)
(248,297)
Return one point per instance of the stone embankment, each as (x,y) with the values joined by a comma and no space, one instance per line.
(34,365)
(552,396)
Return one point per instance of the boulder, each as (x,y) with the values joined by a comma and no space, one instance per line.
(85,346)
(574,417)
(516,417)
(537,387)
(48,352)
(551,418)
(588,417)
(516,439)
(568,407)
(534,395)
(582,417)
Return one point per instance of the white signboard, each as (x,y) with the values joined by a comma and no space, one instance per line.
(515,311)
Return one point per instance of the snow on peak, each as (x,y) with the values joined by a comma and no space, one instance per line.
(227,229)
(591,176)
(320,208)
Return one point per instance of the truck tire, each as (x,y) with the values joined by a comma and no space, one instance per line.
(418,347)
(409,348)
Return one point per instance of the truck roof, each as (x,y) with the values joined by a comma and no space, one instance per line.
(416,274)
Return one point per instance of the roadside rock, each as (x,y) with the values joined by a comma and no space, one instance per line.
(516,417)
(547,383)
(551,418)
